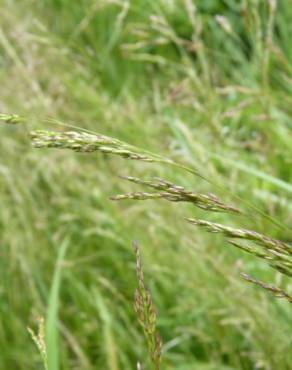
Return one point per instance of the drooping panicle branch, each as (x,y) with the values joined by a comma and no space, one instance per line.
(275,252)
(277,292)
(85,142)
(260,239)
(175,193)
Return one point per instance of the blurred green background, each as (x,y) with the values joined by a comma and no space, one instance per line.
(206,82)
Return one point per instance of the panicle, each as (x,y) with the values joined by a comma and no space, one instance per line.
(175,193)
(85,142)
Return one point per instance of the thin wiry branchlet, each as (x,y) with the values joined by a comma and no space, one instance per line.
(146,313)
(175,193)
(277,292)
(84,142)
(11,119)
(260,239)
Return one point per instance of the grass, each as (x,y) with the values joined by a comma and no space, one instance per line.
(170,78)
(52,312)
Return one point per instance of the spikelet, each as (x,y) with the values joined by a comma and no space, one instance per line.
(11,119)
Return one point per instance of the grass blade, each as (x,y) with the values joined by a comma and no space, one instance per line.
(52,313)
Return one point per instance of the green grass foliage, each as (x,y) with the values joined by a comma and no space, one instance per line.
(206,83)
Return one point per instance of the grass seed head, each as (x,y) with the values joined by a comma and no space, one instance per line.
(277,292)
(146,313)
(251,235)
(39,340)
(85,142)
(175,193)
(276,253)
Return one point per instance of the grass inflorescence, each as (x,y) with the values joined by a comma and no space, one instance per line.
(277,292)
(175,193)
(208,83)
(277,253)
(146,313)
(40,342)
(87,143)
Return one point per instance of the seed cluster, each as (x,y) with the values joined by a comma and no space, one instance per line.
(11,119)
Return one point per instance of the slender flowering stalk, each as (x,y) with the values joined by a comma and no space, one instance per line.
(146,313)
(175,193)
(277,292)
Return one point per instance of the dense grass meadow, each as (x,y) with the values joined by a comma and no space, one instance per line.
(207,84)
